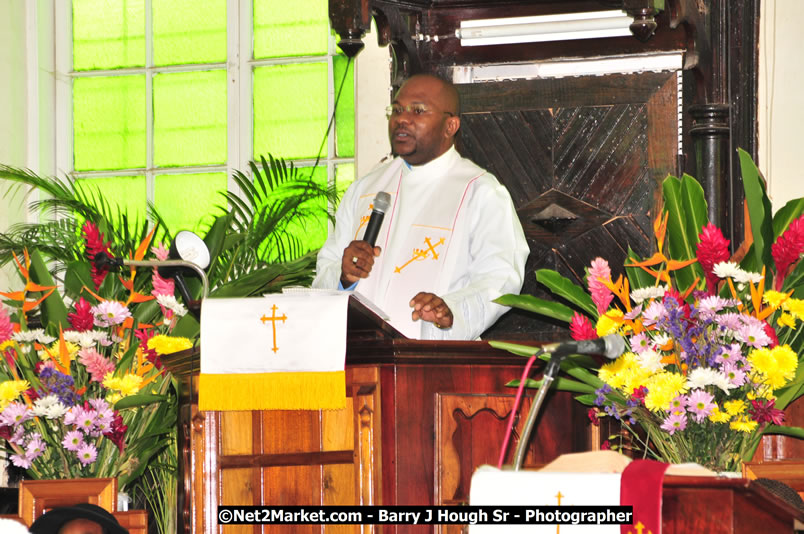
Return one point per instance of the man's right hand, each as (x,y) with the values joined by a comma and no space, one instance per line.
(357,261)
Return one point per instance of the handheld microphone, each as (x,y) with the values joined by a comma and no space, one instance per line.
(610,346)
(381,203)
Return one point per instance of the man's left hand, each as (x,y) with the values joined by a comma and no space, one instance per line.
(432,308)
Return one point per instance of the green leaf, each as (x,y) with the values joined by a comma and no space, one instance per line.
(514,348)
(564,288)
(759,209)
(133,401)
(787,214)
(685,204)
(586,400)
(795,279)
(54,312)
(794,431)
(561,384)
(77,277)
(556,310)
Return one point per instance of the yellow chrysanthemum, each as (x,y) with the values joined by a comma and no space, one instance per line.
(796,307)
(10,390)
(608,323)
(743,424)
(774,299)
(663,387)
(624,373)
(128,385)
(719,416)
(734,407)
(54,351)
(786,320)
(167,345)
(113,397)
(774,367)
(6,344)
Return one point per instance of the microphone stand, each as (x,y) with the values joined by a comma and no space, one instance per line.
(550,372)
(179,279)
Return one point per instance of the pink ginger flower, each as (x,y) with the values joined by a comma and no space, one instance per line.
(160,251)
(787,250)
(96,364)
(581,328)
(6,328)
(713,248)
(601,295)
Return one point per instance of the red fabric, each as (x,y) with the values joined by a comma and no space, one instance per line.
(641,487)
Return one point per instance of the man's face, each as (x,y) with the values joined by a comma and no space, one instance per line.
(425,127)
(81,526)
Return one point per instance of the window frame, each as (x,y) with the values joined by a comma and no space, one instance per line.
(240,66)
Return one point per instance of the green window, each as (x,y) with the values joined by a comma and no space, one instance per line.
(170,97)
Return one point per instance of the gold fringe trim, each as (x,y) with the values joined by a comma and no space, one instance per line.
(272,391)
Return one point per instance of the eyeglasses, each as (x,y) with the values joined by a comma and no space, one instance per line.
(396,110)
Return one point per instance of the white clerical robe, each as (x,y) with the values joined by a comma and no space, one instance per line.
(451,230)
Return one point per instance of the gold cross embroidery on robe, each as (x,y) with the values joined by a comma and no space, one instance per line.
(640,529)
(273,318)
(420,254)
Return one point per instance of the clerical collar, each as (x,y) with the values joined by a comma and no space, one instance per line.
(434,162)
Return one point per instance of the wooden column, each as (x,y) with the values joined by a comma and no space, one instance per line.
(710,137)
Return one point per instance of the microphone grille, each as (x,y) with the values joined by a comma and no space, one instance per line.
(382,201)
(615,346)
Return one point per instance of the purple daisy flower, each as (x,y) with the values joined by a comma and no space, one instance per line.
(752,332)
(87,453)
(639,343)
(676,422)
(35,448)
(15,413)
(73,440)
(699,403)
(21,461)
(735,375)
(110,313)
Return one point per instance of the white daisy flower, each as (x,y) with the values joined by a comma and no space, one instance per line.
(726,269)
(748,276)
(645,293)
(37,335)
(86,339)
(170,302)
(49,407)
(650,360)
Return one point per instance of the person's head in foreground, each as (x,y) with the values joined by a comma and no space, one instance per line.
(83,518)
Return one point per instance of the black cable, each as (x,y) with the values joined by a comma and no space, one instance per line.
(332,119)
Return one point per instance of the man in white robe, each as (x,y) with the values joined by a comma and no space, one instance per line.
(450,242)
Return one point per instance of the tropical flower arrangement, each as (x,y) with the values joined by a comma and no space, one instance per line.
(713,344)
(83,392)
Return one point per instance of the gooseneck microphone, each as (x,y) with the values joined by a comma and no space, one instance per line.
(381,203)
(610,346)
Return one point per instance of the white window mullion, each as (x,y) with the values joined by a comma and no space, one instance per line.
(63,130)
(149,103)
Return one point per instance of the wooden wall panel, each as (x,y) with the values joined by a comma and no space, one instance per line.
(583,159)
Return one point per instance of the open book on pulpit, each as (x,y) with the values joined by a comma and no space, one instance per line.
(281,351)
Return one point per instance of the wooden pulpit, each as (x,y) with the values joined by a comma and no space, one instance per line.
(420,416)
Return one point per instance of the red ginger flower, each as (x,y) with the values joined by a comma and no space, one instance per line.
(787,250)
(713,248)
(581,328)
(771,333)
(95,246)
(83,319)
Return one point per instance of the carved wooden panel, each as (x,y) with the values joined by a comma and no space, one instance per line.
(583,159)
